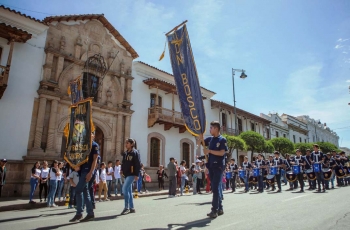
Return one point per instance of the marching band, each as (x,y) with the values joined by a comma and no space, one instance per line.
(317,168)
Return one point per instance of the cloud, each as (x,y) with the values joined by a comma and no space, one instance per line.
(338,47)
(348,81)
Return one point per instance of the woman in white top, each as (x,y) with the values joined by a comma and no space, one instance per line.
(54,172)
(34,179)
(183,175)
(60,182)
(44,175)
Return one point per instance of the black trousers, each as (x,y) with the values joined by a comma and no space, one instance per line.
(0,189)
(198,185)
(161,183)
(320,179)
(300,178)
(233,183)
(278,178)
(43,186)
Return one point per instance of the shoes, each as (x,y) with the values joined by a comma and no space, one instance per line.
(70,206)
(99,200)
(54,205)
(41,200)
(88,218)
(245,191)
(125,211)
(76,218)
(261,191)
(132,210)
(220,212)
(107,199)
(45,200)
(301,191)
(290,189)
(32,202)
(212,215)
(279,190)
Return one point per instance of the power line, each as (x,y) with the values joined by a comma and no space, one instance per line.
(26,9)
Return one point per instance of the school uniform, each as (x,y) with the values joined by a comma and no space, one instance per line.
(259,164)
(317,157)
(288,163)
(278,162)
(118,180)
(103,184)
(246,166)
(308,166)
(233,170)
(299,160)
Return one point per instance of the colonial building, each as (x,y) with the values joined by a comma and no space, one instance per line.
(298,130)
(319,132)
(278,128)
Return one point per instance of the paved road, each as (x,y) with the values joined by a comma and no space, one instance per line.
(285,210)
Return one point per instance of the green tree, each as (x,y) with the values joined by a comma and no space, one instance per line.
(253,141)
(303,147)
(283,145)
(268,147)
(326,147)
(234,142)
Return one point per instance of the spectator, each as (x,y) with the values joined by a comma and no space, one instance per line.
(117,177)
(103,182)
(60,182)
(34,180)
(172,177)
(184,177)
(109,178)
(141,181)
(2,174)
(207,189)
(73,179)
(44,176)
(161,174)
(65,172)
(54,172)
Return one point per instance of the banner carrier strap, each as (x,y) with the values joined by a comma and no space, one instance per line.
(176,27)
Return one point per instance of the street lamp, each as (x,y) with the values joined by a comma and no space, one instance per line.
(243,76)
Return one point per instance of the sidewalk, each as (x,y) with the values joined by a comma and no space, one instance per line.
(15,203)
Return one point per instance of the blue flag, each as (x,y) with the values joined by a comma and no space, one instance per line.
(186,79)
(75,90)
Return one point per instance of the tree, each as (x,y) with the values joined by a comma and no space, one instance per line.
(327,147)
(253,141)
(268,147)
(234,143)
(283,145)
(303,147)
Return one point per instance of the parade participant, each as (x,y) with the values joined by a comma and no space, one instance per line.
(44,176)
(216,165)
(131,166)
(278,162)
(299,160)
(117,177)
(331,166)
(86,178)
(103,182)
(160,175)
(184,177)
(343,161)
(172,177)
(109,178)
(288,163)
(308,166)
(233,169)
(53,174)
(2,174)
(326,165)
(246,166)
(317,157)
(336,162)
(34,180)
(260,164)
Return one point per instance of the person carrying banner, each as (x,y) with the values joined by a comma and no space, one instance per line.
(216,165)
(86,177)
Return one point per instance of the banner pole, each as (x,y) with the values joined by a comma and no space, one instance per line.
(175,28)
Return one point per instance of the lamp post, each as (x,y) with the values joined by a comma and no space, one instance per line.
(243,76)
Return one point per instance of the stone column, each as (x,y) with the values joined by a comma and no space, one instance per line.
(128,89)
(59,68)
(40,123)
(52,125)
(48,66)
(122,85)
(127,127)
(119,127)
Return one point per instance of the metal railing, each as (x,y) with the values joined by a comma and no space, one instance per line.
(230,131)
(166,115)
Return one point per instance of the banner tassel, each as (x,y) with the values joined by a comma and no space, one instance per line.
(68,90)
(162,55)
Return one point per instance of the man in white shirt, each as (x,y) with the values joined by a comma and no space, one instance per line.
(109,178)
(103,184)
(117,177)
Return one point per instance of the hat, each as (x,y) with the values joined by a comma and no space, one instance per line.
(276,152)
(316,145)
(197,161)
(4,160)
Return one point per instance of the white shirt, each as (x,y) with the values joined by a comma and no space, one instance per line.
(36,172)
(59,177)
(75,177)
(53,174)
(103,175)
(97,178)
(117,171)
(182,169)
(44,173)
(109,177)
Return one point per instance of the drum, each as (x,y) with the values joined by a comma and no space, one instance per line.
(290,176)
(296,169)
(273,170)
(228,175)
(270,179)
(317,167)
(310,174)
(253,180)
(339,172)
(256,172)
(347,170)
(327,174)
(241,173)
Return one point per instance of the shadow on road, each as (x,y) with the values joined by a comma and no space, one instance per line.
(189,225)
(197,204)
(106,217)
(55,226)
(163,198)
(32,217)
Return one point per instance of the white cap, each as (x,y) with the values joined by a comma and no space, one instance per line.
(197,161)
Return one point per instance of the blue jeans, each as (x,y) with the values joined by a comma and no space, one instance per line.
(283,176)
(216,183)
(118,181)
(139,184)
(60,185)
(194,184)
(82,194)
(52,192)
(127,191)
(33,184)
(246,183)
(72,196)
(109,186)
(183,181)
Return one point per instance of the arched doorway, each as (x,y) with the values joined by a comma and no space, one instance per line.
(155,152)
(99,139)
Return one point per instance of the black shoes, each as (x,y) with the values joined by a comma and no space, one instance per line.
(212,215)
(279,190)
(132,210)
(220,212)
(76,218)
(290,189)
(88,218)
(125,212)
(32,202)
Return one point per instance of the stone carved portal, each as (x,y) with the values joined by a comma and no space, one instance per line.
(99,139)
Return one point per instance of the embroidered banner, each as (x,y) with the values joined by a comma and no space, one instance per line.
(75,90)
(78,133)
(186,79)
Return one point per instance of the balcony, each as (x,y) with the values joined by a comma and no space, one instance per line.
(3,80)
(230,131)
(167,117)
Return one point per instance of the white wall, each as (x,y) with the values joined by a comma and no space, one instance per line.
(16,105)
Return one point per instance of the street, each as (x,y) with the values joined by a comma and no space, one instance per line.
(286,210)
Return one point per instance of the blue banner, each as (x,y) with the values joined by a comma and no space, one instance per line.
(187,83)
(75,90)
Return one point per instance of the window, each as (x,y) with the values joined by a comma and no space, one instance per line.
(153,100)
(313,138)
(240,127)
(284,135)
(305,140)
(300,140)
(277,134)
(294,138)
(252,125)
(223,118)
(155,152)
(90,86)
(268,133)
(186,152)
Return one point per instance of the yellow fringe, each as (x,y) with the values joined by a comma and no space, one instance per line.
(68,90)
(163,54)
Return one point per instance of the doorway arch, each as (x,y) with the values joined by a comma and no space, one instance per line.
(100,139)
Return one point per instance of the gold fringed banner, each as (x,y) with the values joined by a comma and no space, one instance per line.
(163,54)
